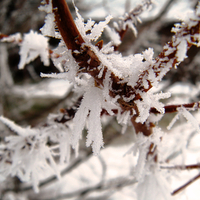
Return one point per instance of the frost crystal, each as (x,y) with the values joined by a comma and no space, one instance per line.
(150,100)
(188,116)
(91,105)
(182,50)
(114,36)
(95,29)
(29,143)
(32,46)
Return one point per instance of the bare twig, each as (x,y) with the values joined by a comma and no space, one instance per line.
(182,167)
(186,185)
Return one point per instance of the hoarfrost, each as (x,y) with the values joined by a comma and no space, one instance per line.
(48,28)
(182,50)
(90,105)
(96,29)
(16,38)
(114,36)
(188,116)
(32,46)
(150,100)
(29,143)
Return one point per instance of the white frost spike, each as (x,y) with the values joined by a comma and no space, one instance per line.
(94,136)
(182,50)
(91,104)
(46,7)
(113,35)
(129,23)
(150,100)
(173,121)
(48,28)
(189,117)
(148,54)
(96,29)
(33,45)
(30,155)
(16,128)
(154,186)
(65,147)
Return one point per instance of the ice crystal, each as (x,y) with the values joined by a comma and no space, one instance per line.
(32,46)
(188,116)
(29,143)
(90,111)
(150,100)
(95,29)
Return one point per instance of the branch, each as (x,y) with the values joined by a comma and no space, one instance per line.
(182,167)
(185,185)
(154,71)
(66,25)
(173,108)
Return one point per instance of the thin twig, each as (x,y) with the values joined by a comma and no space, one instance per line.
(182,167)
(185,185)
(173,108)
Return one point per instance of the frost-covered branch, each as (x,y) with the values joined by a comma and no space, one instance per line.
(174,108)
(105,83)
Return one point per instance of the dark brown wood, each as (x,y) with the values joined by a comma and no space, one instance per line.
(186,185)
(66,25)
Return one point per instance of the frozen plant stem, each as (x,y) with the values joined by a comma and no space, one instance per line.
(73,41)
(66,25)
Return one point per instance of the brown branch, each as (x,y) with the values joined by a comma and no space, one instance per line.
(66,25)
(185,185)
(182,167)
(74,40)
(3,36)
(11,39)
(173,108)
(139,127)
(165,58)
(133,14)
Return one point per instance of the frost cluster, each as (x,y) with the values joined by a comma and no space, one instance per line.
(32,46)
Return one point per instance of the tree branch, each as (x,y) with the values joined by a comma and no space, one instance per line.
(173,108)
(185,185)
(66,25)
